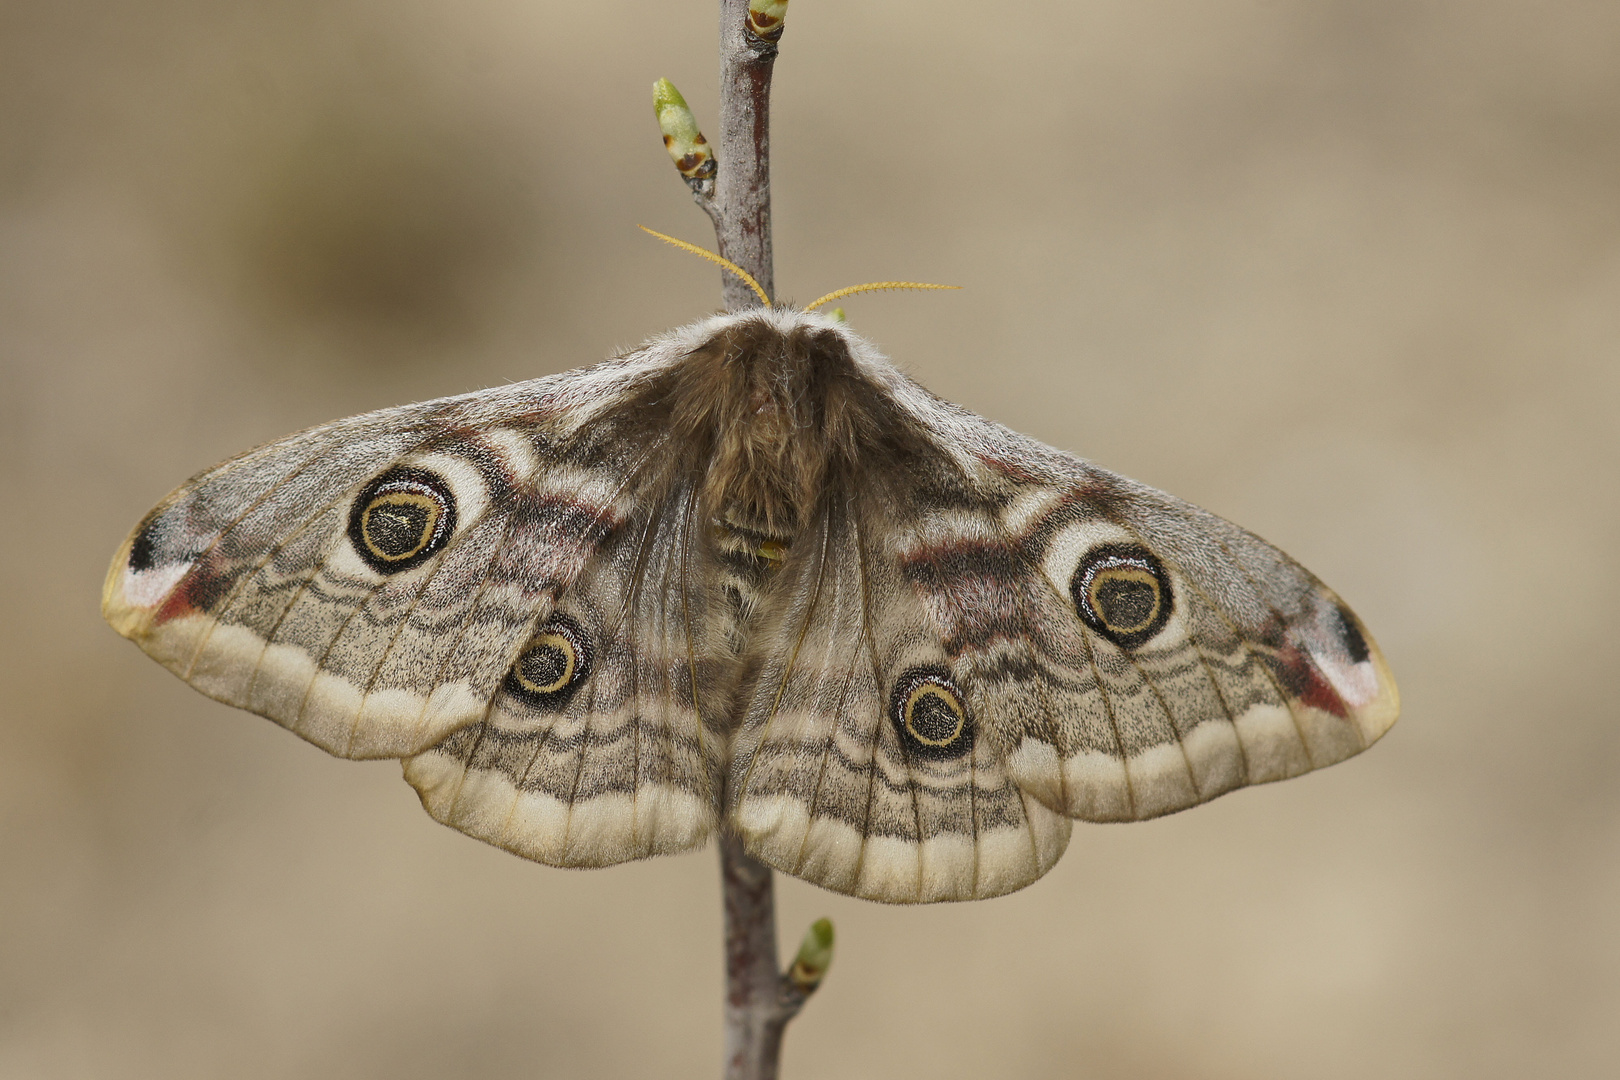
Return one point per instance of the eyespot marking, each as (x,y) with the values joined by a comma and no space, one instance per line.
(553,664)
(402,519)
(1123,593)
(930,714)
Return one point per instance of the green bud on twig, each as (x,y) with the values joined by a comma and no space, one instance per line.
(686,145)
(765,18)
(815,957)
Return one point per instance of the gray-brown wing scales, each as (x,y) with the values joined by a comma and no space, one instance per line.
(292,608)
(266,512)
(383,583)
(951,684)
(592,751)
(851,769)
(368,583)
(1133,655)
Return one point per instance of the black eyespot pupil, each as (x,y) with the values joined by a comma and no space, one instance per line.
(1126,604)
(554,664)
(1123,592)
(930,715)
(544,667)
(397,529)
(932,719)
(403,518)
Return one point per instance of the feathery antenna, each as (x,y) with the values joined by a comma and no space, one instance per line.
(748,279)
(705,253)
(874,286)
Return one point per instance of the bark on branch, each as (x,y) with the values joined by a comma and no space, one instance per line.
(757,1008)
(742,193)
(760,997)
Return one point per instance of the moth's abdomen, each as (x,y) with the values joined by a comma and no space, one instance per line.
(747,554)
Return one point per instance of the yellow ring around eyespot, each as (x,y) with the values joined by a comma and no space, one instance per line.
(1125,573)
(562,645)
(402,498)
(951,702)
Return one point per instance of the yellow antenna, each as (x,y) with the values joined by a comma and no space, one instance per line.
(748,279)
(704,253)
(874,286)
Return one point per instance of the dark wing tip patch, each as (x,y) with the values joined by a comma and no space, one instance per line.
(1351,637)
(143,548)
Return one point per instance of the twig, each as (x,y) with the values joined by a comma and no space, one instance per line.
(760,998)
(742,197)
(754,1022)
(760,1002)
(758,1006)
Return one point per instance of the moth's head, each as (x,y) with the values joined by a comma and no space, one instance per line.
(773,400)
(743,366)
(765,398)
(773,331)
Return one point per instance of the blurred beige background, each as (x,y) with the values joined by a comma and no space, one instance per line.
(1346,271)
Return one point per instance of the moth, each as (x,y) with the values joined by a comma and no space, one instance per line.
(749,577)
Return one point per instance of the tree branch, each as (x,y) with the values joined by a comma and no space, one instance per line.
(760,1002)
(754,1022)
(760,999)
(756,1009)
(742,196)
(756,1012)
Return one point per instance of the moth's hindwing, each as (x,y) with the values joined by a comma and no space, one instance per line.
(864,765)
(593,751)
